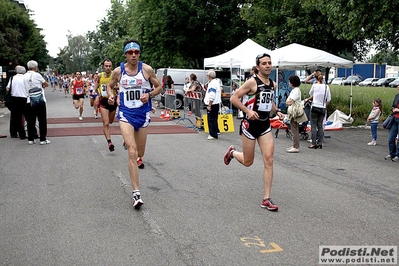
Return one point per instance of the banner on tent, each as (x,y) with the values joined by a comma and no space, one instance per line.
(284,89)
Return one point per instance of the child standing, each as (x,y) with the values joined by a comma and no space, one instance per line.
(374,118)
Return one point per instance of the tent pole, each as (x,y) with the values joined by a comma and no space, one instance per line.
(350,99)
(276,77)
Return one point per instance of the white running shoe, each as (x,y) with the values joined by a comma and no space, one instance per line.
(31,142)
(45,142)
(80,118)
(372,143)
(137,201)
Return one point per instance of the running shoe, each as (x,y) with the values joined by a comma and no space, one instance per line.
(44,142)
(80,118)
(268,204)
(140,163)
(111,146)
(137,201)
(229,155)
(372,143)
(31,142)
(395,159)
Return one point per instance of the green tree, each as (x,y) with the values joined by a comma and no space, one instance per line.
(364,23)
(20,39)
(181,33)
(279,23)
(389,57)
(75,55)
(108,38)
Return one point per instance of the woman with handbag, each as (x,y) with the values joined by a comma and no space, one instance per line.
(295,111)
(321,97)
(393,132)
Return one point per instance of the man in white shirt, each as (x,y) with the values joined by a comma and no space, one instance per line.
(32,79)
(18,109)
(212,99)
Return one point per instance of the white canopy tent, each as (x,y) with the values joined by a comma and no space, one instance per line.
(243,56)
(296,56)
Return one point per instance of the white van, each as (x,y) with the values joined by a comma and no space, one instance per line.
(179,75)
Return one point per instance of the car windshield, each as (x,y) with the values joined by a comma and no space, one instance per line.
(369,79)
(351,77)
(337,79)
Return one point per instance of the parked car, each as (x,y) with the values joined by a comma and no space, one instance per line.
(394,83)
(382,82)
(374,83)
(337,81)
(368,81)
(354,80)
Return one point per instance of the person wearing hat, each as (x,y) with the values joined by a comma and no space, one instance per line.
(138,84)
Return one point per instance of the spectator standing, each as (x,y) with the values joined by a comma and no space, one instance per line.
(233,90)
(33,79)
(294,100)
(258,95)
(194,86)
(19,97)
(312,78)
(320,96)
(252,73)
(393,145)
(374,118)
(170,84)
(213,98)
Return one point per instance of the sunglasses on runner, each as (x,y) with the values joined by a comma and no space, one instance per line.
(130,52)
(260,56)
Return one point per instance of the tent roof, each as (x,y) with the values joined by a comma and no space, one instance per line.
(296,56)
(243,55)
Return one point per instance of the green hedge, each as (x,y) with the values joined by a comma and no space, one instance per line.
(362,100)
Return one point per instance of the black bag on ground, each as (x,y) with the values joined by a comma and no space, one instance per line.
(317,110)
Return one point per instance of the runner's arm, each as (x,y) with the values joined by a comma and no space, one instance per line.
(116,73)
(154,80)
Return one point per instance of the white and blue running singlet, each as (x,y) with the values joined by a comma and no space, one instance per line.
(131,87)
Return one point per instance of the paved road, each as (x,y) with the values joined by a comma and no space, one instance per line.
(68,203)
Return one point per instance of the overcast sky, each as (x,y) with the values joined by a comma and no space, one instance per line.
(56,17)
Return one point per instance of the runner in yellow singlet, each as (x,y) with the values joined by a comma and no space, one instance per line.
(107,110)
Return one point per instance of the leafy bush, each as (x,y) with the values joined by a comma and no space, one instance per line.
(362,100)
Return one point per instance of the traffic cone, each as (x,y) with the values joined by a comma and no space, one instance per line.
(162,114)
(167,115)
